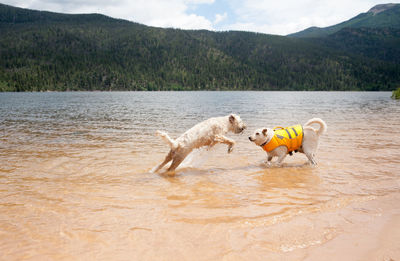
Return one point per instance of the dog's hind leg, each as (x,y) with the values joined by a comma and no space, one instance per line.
(167,159)
(176,161)
(310,153)
(310,157)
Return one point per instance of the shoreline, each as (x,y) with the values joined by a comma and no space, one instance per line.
(174,91)
(372,233)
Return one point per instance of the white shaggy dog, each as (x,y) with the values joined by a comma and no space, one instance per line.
(307,144)
(206,133)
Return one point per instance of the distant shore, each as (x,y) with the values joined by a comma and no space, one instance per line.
(77,91)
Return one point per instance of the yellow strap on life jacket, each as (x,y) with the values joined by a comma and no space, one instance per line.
(291,137)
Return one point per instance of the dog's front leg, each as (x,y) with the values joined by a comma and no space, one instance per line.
(268,162)
(212,144)
(281,157)
(225,140)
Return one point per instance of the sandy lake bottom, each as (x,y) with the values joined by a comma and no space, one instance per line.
(75,181)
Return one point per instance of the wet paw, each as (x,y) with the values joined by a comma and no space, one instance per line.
(268,163)
(312,163)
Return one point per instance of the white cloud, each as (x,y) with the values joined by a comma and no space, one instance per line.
(289,16)
(200,1)
(191,21)
(171,13)
(266,16)
(220,17)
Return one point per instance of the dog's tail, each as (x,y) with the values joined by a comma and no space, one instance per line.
(166,138)
(322,125)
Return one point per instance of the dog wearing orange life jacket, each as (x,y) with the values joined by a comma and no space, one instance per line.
(279,142)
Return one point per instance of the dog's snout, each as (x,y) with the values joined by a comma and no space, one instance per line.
(250,138)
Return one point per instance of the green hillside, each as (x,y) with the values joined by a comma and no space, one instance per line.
(380,16)
(376,43)
(42,51)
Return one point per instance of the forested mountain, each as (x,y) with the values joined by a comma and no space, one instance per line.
(374,34)
(48,51)
(380,16)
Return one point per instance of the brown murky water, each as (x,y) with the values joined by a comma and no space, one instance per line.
(75,181)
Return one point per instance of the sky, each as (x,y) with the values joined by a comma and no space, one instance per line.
(280,17)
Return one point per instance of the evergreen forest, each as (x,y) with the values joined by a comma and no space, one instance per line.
(45,51)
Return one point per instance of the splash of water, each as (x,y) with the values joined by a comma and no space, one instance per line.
(197,158)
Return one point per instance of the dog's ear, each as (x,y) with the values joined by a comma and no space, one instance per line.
(232,118)
(264,131)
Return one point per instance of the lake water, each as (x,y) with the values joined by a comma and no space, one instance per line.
(75,181)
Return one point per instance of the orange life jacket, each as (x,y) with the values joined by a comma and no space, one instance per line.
(291,137)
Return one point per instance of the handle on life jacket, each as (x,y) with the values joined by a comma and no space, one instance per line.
(277,128)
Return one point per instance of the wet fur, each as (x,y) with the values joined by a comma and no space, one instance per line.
(207,133)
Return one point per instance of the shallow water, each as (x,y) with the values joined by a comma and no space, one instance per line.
(75,179)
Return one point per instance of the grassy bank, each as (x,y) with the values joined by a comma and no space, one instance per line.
(396,94)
